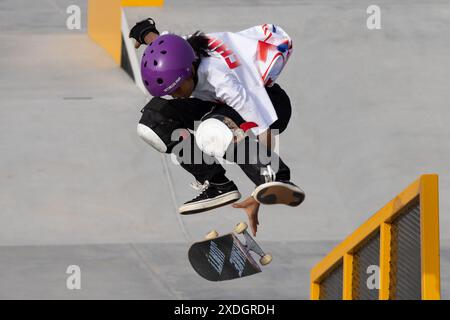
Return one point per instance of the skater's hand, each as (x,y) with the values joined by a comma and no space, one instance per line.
(251,207)
(144,32)
(149,38)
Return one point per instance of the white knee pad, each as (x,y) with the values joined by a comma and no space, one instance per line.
(213,137)
(150,136)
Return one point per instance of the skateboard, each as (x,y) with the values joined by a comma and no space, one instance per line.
(227,257)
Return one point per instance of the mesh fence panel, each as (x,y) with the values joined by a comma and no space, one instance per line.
(406,273)
(331,286)
(366,269)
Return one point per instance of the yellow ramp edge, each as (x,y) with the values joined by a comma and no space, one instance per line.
(142,3)
(104,22)
(104,25)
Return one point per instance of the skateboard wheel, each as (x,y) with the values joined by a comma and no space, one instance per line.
(240,227)
(212,235)
(266,259)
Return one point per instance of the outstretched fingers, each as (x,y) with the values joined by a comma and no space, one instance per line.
(251,208)
(244,204)
(253,224)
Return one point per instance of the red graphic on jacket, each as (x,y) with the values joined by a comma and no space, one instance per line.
(265,47)
(221,48)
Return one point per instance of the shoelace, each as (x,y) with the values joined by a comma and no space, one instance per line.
(269,174)
(199,186)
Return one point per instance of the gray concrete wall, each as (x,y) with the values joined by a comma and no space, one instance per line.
(78,186)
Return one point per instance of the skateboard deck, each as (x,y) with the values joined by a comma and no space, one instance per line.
(222,258)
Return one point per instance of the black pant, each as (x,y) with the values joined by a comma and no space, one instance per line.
(164,116)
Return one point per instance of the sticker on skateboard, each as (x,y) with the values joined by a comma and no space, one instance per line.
(227,257)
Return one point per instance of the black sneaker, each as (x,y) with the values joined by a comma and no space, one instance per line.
(279,192)
(213,195)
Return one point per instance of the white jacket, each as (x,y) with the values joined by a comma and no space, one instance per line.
(240,66)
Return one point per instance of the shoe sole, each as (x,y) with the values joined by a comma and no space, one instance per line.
(206,205)
(279,193)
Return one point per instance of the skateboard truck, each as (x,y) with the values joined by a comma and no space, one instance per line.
(249,244)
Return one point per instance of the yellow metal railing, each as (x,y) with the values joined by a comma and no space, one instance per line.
(424,189)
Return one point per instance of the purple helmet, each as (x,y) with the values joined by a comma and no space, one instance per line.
(166,63)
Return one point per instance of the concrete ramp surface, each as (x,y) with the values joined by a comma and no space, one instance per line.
(78,187)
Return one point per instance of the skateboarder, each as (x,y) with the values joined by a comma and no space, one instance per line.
(226,81)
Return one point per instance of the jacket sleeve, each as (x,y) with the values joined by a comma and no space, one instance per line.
(252,103)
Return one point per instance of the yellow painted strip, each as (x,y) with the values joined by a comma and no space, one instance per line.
(104,22)
(104,26)
(385,261)
(315,291)
(429,225)
(347,288)
(386,214)
(142,3)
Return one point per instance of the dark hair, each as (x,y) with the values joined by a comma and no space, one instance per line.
(199,42)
